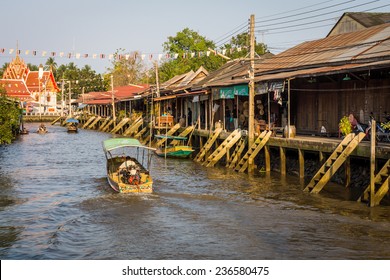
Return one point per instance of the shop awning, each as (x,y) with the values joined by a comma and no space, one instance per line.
(192,93)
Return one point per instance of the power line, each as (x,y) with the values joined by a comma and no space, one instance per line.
(229,37)
(323,14)
(302,24)
(298,9)
(303,13)
(233,31)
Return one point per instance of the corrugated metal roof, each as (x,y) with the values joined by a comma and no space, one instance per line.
(367,45)
(233,72)
(322,70)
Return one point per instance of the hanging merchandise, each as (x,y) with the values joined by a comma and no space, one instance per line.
(276,95)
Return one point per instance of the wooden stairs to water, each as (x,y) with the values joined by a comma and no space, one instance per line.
(381,186)
(160,142)
(333,163)
(120,125)
(95,121)
(107,126)
(56,120)
(223,148)
(207,146)
(104,123)
(184,133)
(140,134)
(89,121)
(133,128)
(253,151)
(233,160)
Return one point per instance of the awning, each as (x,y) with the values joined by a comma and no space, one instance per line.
(230,92)
(180,95)
(164,97)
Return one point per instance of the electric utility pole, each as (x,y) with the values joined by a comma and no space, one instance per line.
(113,100)
(251,125)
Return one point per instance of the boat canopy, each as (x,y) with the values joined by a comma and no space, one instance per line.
(71,120)
(115,143)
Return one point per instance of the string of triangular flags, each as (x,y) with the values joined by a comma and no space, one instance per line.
(135,55)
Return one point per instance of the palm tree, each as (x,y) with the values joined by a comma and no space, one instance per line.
(51,64)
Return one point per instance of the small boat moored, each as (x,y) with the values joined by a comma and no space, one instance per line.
(24,131)
(128,165)
(176,151)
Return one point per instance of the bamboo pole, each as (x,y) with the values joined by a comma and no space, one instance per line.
(372,164)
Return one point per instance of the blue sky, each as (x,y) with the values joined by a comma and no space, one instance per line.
(97,26)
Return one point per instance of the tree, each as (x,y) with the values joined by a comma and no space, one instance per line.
(127,68)
(80,80)
(51,64)
(9,118)
(240,46)
(191,49)
(2,69)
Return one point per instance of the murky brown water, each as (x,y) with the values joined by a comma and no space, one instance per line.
(55,203)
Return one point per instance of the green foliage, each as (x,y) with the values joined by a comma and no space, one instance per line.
(386,125)
(345,126)
(242,41)
(126,71)
(121,115)
(184,43)
(81,80)
(188,41)
(2,69)
(9,118)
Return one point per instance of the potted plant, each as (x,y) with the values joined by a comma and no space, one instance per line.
(345,126)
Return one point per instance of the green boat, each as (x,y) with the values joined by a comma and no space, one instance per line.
(177,151)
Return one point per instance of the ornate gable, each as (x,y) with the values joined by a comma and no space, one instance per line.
(17,69)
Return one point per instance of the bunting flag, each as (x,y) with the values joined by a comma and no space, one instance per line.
(135,55)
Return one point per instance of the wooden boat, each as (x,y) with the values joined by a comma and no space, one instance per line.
(42,129)
(72,128)
(177,151)
(72,125)
(24,131)
(128,163)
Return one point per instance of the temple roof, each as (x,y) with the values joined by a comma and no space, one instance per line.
(20,82)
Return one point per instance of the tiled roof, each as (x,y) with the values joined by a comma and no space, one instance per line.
(120,93)
(32,81)
(16,88)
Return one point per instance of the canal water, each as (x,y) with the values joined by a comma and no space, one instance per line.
(55,203)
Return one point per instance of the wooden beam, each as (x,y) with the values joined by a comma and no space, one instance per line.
(301,163)
(267,159)
(347,168)
(372,164)
(321,157)
(221,55)
(282,161)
